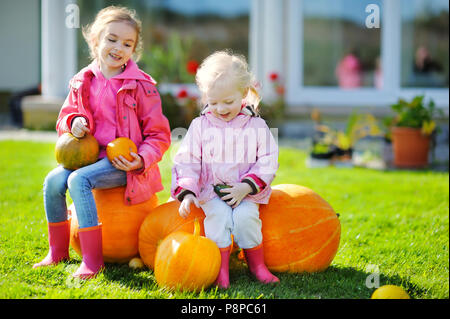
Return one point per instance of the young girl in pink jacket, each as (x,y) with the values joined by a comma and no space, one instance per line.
(110,98)
(227,161)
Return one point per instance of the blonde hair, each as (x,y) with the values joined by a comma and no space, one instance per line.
(91,32)
(224,65)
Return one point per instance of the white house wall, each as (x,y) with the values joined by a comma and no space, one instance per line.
(19,34)
(267,42)
(59,47)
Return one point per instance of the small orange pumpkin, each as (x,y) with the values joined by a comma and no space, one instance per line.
(121,146)
(72,152)
(187,261)
(162,221)
(120,224)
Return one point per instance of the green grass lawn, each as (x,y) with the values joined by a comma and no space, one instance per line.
(394,221)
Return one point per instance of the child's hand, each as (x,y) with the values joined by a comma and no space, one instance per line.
(123,164)
(79,127)
(185,206)
(237,193)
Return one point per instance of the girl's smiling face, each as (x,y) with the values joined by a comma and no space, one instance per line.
(224,100)
(116,46)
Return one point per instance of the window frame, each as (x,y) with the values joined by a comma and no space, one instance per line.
(299,95)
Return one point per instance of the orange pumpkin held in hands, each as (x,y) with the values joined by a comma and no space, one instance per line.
(162,221)
(187,261)
(120,224)
(72,152)
(121,146)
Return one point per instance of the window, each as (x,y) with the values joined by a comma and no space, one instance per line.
(425,43)
(335,59)
(177,31)
(339,50)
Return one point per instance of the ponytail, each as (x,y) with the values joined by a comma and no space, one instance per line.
(253,98)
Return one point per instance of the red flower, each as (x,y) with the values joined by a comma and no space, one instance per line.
(280,90)
(192,66)
(182,94)
(273,76)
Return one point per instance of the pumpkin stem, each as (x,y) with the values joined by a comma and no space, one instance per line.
(196,227)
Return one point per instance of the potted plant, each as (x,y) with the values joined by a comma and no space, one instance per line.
(323,142)
(337,145)
(358,127)
(411,130)
(322,148)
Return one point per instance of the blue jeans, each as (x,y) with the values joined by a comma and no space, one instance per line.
(80,183)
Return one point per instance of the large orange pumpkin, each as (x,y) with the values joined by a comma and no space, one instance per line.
(121,146)
(187,261)
(120,224)
(72,152)
(301,231)
(162,221)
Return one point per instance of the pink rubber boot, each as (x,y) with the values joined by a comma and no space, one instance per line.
(255,261)
(223,279)
(91,248)
(58,239)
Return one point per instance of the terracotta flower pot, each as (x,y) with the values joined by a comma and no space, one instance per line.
(410,147)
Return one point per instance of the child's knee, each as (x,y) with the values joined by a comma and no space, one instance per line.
(218,223)
(55,182)
(246,223)
(77,181)
(246,214)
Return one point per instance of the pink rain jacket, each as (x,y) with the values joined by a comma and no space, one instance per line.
(218,152)
(135,112)
(349,73)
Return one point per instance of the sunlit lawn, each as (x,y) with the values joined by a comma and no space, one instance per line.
(393,221)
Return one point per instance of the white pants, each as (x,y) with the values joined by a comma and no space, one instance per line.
(243,222)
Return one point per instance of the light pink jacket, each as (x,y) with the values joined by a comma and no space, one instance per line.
(138,116)
(218,152)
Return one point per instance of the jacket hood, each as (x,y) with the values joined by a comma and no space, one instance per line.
(240,120)
(131,72)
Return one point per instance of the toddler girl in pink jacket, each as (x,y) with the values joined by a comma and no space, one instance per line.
(227,161)
(110,98)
